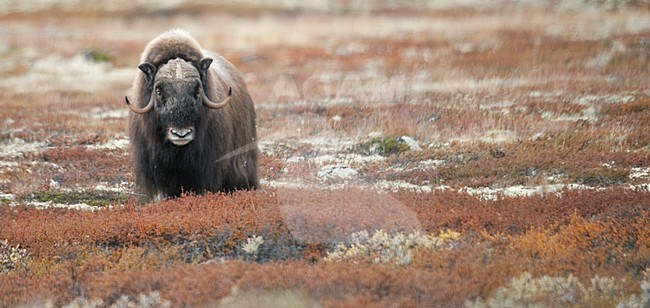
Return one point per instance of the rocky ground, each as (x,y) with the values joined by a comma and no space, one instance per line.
(412,153)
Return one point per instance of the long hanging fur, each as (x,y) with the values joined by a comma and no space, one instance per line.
(224,154)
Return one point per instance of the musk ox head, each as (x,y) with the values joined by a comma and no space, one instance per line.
(177,99)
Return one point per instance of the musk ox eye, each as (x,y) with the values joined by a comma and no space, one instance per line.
(158,92)
(197,91)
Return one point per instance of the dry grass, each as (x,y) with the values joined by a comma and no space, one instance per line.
(533,123)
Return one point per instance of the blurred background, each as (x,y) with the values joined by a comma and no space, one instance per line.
(330,76)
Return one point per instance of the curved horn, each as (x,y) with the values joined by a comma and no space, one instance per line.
(149,71)
(140,110)
(208,103)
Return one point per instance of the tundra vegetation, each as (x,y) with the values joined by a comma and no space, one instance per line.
(417,153)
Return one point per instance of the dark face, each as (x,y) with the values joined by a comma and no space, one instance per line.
(178,106)
(175,94)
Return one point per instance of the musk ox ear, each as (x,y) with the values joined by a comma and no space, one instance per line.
(149,71)
(204,64)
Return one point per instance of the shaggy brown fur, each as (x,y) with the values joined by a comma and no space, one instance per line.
(223,155)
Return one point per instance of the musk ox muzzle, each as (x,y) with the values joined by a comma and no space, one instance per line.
(180,136)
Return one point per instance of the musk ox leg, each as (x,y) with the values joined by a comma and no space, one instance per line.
(245,174)
(253,182)
(253,178)
(158,197)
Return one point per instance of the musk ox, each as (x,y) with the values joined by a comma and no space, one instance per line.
(192,128)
